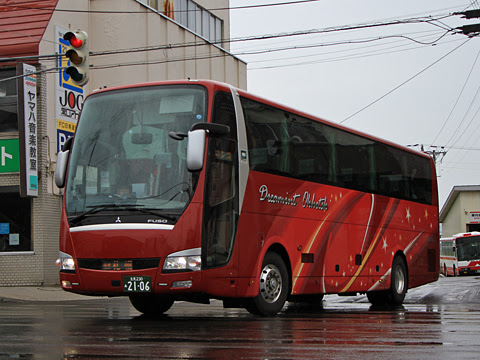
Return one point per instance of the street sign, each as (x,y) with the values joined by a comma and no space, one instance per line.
(9,156)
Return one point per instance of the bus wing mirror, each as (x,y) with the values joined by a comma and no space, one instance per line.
(196,142)
(61,168)
(62,162)
(195,150)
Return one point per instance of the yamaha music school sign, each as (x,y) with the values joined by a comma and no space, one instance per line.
(27,131)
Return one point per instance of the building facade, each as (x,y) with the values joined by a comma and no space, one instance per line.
(461,211)
(130,41)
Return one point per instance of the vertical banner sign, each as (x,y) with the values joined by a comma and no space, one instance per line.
(68,96)
(27,129)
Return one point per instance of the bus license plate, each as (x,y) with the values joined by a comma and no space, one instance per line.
(137,284)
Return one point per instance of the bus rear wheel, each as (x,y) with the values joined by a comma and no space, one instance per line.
(273,287)
(398,288)
(152,305)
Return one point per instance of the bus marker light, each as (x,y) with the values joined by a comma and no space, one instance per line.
(66,284)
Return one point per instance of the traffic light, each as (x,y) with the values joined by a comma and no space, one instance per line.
(78,56)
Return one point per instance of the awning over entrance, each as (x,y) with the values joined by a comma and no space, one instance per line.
(22,25)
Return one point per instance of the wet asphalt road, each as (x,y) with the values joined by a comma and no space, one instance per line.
(437,321)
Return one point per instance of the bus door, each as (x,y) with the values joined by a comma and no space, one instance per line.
(221,188)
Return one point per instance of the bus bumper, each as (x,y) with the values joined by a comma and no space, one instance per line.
(125,283)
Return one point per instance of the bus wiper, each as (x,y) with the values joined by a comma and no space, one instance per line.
(96,208)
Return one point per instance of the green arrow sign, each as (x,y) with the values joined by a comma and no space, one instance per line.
(9,156)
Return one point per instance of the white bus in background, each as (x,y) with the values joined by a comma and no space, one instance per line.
(460,254)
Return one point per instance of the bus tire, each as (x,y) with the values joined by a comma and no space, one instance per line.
(273,287)
(151,304)
(398,288)
(399,285)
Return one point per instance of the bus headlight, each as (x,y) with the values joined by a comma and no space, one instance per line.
(193,263)
(186,260)
(65,262)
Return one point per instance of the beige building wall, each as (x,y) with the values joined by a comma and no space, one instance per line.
(455,214)
(454,221)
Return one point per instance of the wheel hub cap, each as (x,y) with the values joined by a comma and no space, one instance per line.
(270,283)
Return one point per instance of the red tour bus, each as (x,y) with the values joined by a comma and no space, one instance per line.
(460,254)
(195,190)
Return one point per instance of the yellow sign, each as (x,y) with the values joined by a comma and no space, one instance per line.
(66,125)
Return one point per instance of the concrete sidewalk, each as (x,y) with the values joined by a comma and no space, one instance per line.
(41,293)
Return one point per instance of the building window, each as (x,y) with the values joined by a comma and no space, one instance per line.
(8,101)
(15,222)
(192,16)
(197,19)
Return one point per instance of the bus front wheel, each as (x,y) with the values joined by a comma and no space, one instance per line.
(273,287)
(151,304)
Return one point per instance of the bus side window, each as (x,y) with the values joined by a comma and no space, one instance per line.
(268,138)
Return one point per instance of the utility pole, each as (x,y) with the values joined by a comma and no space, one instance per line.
(436,152)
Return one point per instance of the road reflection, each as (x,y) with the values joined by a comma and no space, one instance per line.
(298,333)
(440,320)
(112,329)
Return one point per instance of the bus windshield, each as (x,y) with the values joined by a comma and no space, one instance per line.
(123,158)
(468,248)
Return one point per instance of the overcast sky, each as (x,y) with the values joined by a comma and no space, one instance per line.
(410,83)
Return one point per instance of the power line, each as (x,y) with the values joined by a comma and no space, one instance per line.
(336,51)
(345,42)
(405,82)
(463,119)
(30,73)
(466,141)
(144,63)
(458,98)
(428,20)
(145,11)
(383,51)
